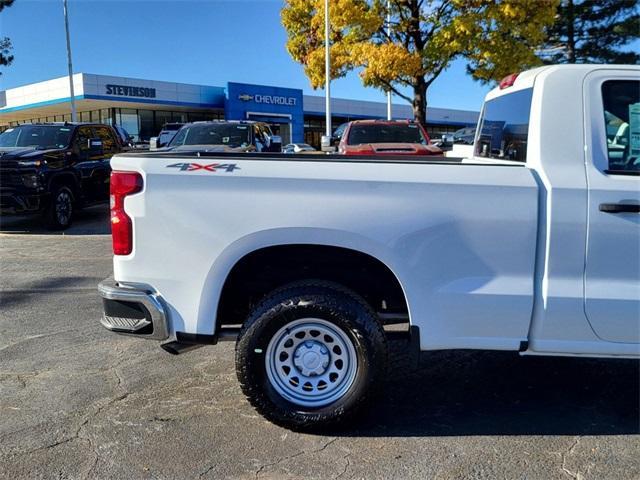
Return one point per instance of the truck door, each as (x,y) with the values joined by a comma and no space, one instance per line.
(612,273)
(86,161)
(102,169)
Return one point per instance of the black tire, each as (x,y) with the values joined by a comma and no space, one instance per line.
(334,305)
(59,213)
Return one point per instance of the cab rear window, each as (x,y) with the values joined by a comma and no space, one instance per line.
(504,127)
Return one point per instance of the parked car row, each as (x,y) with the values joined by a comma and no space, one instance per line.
(54,169)
(359,137)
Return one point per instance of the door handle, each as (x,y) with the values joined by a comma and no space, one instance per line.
(619,208)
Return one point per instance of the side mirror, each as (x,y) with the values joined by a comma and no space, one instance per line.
(154,143)
(95,145)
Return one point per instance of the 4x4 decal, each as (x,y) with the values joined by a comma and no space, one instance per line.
(211,167)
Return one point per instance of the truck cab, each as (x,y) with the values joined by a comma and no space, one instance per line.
(579,144)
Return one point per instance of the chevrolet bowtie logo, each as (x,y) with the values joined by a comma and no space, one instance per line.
(245,97)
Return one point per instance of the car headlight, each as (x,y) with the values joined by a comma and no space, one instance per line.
(30,163)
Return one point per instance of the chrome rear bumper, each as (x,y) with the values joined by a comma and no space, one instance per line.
(133,310)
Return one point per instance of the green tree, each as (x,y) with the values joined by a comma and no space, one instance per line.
(593,31)
(407,54)
(5,43)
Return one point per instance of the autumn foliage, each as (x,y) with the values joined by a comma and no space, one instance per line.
(496,37)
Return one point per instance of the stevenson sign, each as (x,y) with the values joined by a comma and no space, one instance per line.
(127,91)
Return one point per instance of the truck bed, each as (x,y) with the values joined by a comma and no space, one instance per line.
(459,236)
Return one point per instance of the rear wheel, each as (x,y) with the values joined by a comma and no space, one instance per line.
(309,354)
(59,213)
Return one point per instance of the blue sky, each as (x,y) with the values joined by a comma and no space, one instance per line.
(207,42)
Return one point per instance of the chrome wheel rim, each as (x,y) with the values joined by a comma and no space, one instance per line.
(63,207)
(311,362)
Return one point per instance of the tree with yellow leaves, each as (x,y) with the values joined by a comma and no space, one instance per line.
(496,37)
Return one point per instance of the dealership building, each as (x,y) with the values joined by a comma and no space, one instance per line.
(142,106)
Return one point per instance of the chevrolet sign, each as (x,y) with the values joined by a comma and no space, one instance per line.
(268,99)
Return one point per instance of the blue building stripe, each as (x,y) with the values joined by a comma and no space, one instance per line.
(157,102)
(40,104)
(113,99)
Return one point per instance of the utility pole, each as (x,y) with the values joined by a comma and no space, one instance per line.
(66,28)
(389,35)
(327,69)
(326,142)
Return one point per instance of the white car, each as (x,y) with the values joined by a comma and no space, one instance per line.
(169,130)
(531,245)
(297,148)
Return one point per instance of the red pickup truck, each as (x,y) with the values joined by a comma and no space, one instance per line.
(385,137)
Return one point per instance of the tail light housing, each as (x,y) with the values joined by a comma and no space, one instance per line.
(121,185)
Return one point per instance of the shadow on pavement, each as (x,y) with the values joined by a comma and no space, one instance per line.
(88,221)
(457,393)
(47,286)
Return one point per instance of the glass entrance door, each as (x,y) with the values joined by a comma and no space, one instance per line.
(280,123)
(282,129)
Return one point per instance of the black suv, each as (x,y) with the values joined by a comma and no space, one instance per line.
(54,168)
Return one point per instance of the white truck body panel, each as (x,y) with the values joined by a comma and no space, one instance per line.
(465,287)
(489,253)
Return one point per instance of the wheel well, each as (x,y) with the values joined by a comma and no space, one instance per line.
(264,270)
(64,179)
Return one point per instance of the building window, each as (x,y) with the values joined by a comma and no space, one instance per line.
(147,128)
(198,116)
(162,117)
(127,118)
(105,116)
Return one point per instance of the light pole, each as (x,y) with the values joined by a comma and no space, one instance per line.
(327,69)
(388,35)
(66,28)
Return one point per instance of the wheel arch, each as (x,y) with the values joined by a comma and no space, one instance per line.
(67,179)
(228,274)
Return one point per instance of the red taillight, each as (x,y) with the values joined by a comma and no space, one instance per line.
(508,81)
(122,184)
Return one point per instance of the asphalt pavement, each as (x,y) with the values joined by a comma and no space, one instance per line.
(79,402)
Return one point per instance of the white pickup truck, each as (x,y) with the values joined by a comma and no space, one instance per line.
(531,245)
